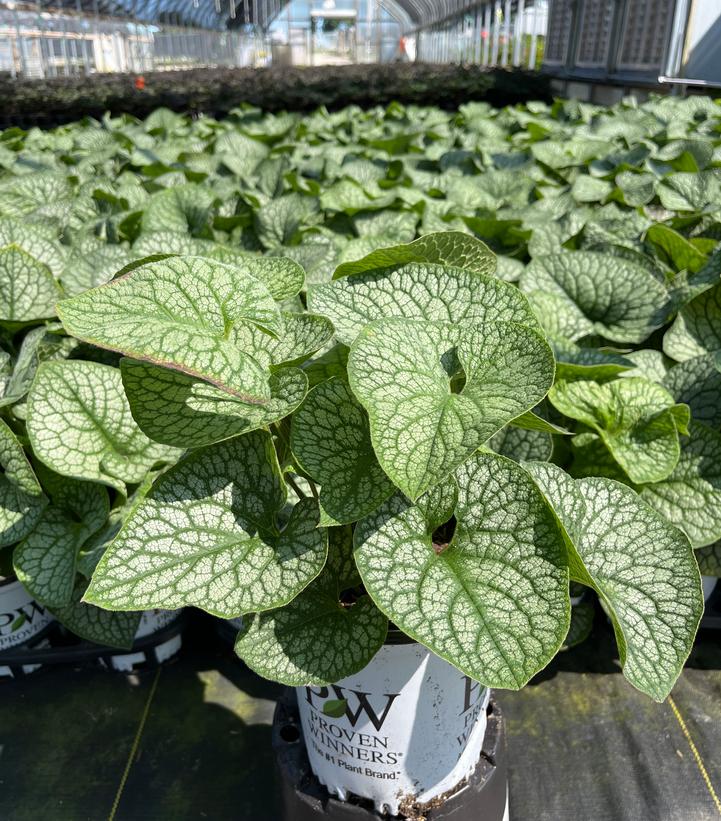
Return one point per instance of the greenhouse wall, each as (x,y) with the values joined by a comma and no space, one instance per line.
(497,33)
(41,44)
(50,38)
(634,43)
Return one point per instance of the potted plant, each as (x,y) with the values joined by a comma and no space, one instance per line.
(73,460)
(414,486)
(27,295)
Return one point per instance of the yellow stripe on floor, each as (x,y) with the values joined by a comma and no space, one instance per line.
(696,754)
(135,745)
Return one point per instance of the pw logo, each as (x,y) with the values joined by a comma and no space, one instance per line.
(15,619)
(363,705)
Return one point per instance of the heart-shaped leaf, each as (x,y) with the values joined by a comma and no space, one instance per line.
(175,409)
(316,639)
(207,535)
(80,425)
(418,291)
(184,313)
(636,419)
(642,568)
(330,437)
(435,392)
(600,293)
(494,602)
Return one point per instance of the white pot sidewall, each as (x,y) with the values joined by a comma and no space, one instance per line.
(414,726)
(21,617)
(709,585)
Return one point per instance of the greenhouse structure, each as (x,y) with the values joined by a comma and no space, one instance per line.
(360,410)
(636,43)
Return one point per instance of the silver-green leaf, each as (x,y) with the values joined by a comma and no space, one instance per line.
(435,392)
(451,248)
(697,383)
(691,496)
(28,290)
(46,560)
(636,419)
(185,313)
(22,500)
(330,437)
(207,535)
(421,291)
(80,425)
(642,568)
(316,639)
(494,602)
(600,293)
(178,410)
(93,624)
(696,331)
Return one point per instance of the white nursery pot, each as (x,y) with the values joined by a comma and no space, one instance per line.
(22,619)
(413,726)
(151,622)
(709,585)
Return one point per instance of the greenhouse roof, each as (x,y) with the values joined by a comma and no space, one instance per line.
(211,14)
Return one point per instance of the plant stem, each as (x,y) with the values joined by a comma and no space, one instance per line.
(291,481)
(278,431)
(313,488)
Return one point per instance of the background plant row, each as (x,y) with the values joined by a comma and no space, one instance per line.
(51,101)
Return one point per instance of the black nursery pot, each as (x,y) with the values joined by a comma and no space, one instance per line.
(712,595)
(481,797)
(158,639)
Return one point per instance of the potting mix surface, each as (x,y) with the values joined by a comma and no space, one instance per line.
(191,740)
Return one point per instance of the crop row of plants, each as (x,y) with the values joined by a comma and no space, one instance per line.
(55,100)
(398,364)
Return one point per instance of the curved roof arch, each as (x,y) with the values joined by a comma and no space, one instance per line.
(218,14)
